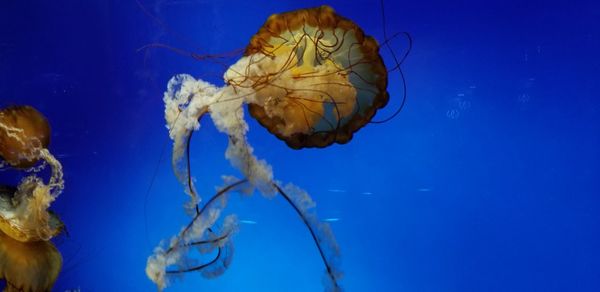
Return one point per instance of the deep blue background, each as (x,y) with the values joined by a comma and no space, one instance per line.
(489,180)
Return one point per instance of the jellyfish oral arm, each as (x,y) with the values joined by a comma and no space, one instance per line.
(225,107)
(217,241)
(185,103)
(298,200)
(197,233)
(218,195)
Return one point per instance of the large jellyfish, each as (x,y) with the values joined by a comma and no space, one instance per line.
(312,78)
(28,260)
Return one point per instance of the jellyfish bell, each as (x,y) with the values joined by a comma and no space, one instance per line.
(23,131)
(28,266)
(317,78)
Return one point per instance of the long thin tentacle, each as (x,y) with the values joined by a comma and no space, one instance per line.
(313,233)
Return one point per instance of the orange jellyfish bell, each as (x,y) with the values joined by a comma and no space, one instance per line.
(28,266)
(317,77)
(23,132)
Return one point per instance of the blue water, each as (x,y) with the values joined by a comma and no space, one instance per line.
(489,179)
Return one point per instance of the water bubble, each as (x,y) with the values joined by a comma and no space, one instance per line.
(523,98)
(460,103)
(453,114)
(464,104)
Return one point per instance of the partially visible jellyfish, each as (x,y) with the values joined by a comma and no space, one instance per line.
(27,266)
(24,138)
(23,133)
(28,260)
(312,78)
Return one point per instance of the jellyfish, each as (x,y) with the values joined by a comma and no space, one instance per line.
(312,78)
(28,260)
(27,266)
